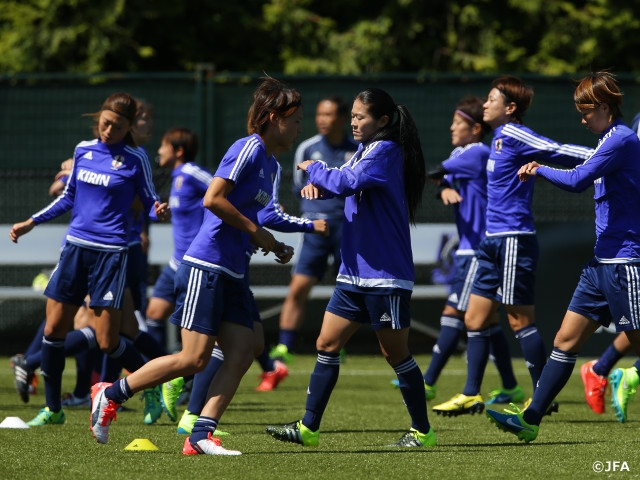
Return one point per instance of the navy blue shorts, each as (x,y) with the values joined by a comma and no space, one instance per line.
(609,292)
(507,269)
(205,299)
(83,271)
(165,285)
(465,272)
(315,250)
(381,311)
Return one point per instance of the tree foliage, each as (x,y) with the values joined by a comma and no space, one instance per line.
(320,36)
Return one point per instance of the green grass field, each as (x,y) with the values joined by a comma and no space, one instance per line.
(365,414)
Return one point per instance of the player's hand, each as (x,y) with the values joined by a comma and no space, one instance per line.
(304,165)
(264,240)
(20,229)
(450,196)
(310,192)
(163,211)
(321,227)
(527,171)
(284,253)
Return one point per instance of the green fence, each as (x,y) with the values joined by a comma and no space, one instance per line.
(42,120)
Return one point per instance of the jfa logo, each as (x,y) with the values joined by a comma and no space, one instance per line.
(610,466)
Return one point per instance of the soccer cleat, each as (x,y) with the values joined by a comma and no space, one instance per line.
(281,352)
(512,422)
(23,376)
(624,382)
(152,407)
(502,395)
(459,405)
(47,417)
(554,407)
(429,390)
(270,380)
(103,412)
(169,394)
(595,387)
(187,422)
(208,446)
(70,400)
(295,432)
(414,438)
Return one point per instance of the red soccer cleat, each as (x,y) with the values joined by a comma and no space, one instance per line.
(594,387)
(270,380)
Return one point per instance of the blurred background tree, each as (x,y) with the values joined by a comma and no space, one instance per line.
(320,36)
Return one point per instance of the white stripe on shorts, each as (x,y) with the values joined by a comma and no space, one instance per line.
(191,299)
(509,273)
(632,293)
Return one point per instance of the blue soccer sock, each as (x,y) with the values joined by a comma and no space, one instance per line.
(75,342)
(411,386)
(148,346)
(606,361)
(323,380)
(265,361)
(128,356)
(110,370)
(499,350)
(158,330)
(554,377)
(202,428)
(202,380)
(451,329)
(288,338)
(36,343)
(119,392)
(478,346)
(534,351)
(53,360)
(85,361)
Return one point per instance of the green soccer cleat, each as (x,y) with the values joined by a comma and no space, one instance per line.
(169,394)
(187,422)
(460,405)
(47,417)
(152,407)
(414,438)
(281,352)
(295,432)
(513,422)
(624,382)
(502,395)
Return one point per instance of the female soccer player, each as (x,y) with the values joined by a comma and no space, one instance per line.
(213,301)
(508,255)
(382,185)
(608,286)
(463,184)
(107,174)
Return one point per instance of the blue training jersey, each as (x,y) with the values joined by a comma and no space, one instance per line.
(103,184)
(614,170)
(376,242)
(467,173)
(218,246)
(189,183)
(317,148)
(509,200)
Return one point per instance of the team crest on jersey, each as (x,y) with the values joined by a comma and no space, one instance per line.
(498,145)
(117,162)
(178,183)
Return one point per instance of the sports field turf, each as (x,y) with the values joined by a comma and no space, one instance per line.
(365,414)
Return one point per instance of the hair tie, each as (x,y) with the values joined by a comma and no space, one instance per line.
(467,117)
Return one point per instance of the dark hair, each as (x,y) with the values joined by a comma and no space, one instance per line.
(122,104)
(183,138)
(342,107)
(513,89)
(401,129)
(472,109)
(272,96)
(598,88)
